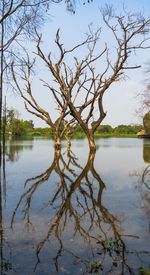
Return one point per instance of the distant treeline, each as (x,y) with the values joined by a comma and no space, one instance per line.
(108,130)
(19,128)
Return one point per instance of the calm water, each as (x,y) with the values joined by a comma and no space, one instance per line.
(72,213)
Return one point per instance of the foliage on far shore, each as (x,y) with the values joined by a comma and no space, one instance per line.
(17,127)
(109,131)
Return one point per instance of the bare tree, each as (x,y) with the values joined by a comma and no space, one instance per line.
(23,81)
(83,86)
(23,74)
(57,69)
(130,33)
(18,20)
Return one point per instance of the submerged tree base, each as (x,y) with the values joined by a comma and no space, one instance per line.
(57,144)
(92,145)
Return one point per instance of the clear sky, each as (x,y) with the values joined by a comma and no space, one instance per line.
(120,101)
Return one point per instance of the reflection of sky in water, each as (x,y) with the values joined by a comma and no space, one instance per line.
(115,161)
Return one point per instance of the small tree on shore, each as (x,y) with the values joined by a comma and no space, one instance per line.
(146,123)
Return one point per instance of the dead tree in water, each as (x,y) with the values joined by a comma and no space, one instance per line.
(33,107)
(84,86)
(18,19)
(79,88)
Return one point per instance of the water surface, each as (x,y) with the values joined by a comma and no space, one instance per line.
(75,213)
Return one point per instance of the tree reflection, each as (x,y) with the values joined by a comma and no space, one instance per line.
(5,264)
(14,149)
(9,151)
(76,201)
(145,177)
(143,183)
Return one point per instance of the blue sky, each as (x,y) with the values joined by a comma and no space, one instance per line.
(120,101)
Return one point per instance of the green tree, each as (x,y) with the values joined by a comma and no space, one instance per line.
(146,123)
(104,129)
(127,129)
(16,126)
(28,125)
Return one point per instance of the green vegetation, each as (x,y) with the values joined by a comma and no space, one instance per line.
(42,132)
(20,127)
(144,271)
(128,129)
(111,246)
(146,123)
(109,131)
(96,266)
(17,127)
(7,265)
(24,128)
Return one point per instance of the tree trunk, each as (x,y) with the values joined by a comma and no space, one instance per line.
(91,142)
(68,137)
(57,141)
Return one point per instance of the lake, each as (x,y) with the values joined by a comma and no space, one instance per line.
(75,213)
